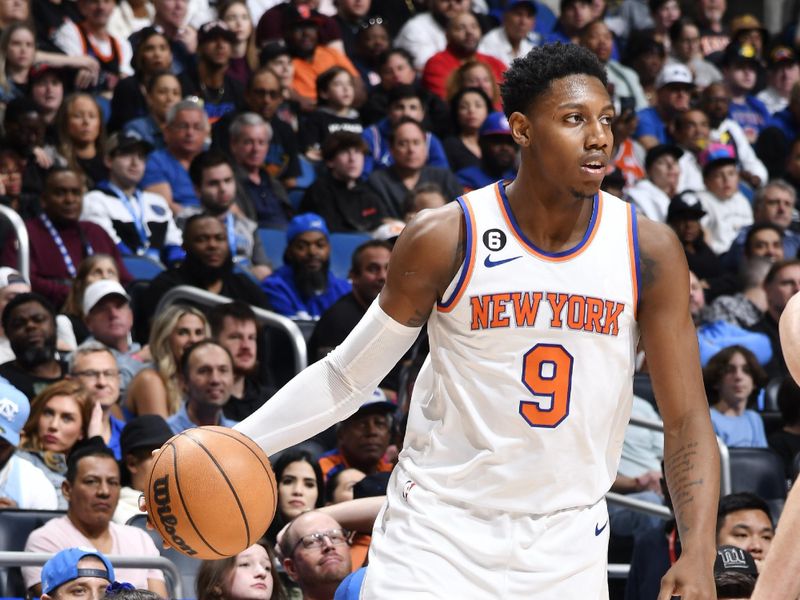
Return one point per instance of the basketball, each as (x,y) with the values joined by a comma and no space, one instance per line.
(211,493)
(789,328)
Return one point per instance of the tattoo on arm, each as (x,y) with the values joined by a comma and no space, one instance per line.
(648,267)
(681,467)
(418,320)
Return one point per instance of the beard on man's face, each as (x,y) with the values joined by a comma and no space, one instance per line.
(309,283)
(33,356)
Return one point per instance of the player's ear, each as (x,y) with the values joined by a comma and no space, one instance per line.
(520,129)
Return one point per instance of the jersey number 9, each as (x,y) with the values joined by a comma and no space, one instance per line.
(547,372)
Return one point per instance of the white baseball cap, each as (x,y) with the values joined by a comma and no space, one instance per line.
(674,73)
(99,290)
(9,277)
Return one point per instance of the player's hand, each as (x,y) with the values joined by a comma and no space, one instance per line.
(6,502)
(689,579)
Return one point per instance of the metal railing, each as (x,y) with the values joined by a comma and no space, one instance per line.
(23,243)
(37,559)
(271,319)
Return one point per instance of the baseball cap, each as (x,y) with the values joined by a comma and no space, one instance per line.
(495,124)
(14,412)
(272,51)
(126,141)
(737,53)
(9,276)
(515,3)
(147,431)
(306,222)
(674,73)
(685,205)
(99,290)
(63,568)
(746,22)
(781,55)
(657,152)
(731,559)
(717,154)
(39,70)
(215,29)
(378,400)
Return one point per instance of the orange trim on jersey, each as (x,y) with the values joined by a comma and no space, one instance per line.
(566,255)
(103,58)
(633,255)
(469,264)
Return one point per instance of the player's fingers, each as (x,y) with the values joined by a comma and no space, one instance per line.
(667,590)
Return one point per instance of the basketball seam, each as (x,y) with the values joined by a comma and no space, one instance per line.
(267,467)
(230,486)
(186,508)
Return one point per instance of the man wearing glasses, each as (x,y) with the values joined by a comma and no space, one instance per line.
(316,554)
(96,368)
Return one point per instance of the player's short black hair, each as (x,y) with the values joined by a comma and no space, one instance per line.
(740,501)
(530,76)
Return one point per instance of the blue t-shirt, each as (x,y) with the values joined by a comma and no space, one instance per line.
(113,442)
(785,121)
(752,115)
(744,431)
(162,167)
(180,421)
(378,155)
(650,123)
(285,299)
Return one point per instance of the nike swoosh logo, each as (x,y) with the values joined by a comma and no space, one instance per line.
(489,263)
(599,530)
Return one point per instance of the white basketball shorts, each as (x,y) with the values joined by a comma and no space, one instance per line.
(423,547)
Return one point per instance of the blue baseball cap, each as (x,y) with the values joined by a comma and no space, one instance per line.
(63,567)
(495,124)
(515,3)
(717,154)
(306,222)
(350,588)
(14,412)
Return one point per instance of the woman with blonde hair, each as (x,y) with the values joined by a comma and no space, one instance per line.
(155,391)
(61,415)
(81,135)
(17,55)
(474,74)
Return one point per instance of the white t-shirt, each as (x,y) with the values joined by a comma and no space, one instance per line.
(68,39)
(496,43)
(423,37)
(651,201)
(725,218)
(25,484)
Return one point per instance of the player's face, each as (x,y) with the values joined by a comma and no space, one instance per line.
(251,578)
(363,439)
(60,424)
(344,485)
(99,374)
(297,489)
(776,207)
(737,382)
(93,496)
(240,338)
(188,330)
(749,530)
(766,243)
(566,136)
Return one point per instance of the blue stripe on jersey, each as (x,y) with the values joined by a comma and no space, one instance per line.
(513,220)
(468,254)
(636,261)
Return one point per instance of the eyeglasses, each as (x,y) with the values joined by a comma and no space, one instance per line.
(95,374)
(335,537)
(274,94)
(366,24)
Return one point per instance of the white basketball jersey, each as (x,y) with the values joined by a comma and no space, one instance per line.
(523,402)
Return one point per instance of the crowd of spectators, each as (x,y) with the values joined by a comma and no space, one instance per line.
(175,131)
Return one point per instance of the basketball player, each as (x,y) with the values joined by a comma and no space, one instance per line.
(535,294)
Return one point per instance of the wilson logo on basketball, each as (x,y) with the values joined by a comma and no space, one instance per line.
(168,520)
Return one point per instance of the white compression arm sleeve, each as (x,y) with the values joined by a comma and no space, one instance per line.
(333,388)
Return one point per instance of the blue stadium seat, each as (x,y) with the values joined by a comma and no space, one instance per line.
(760,471)
(15,526)
(342,247)
(274,241)
(142,267)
